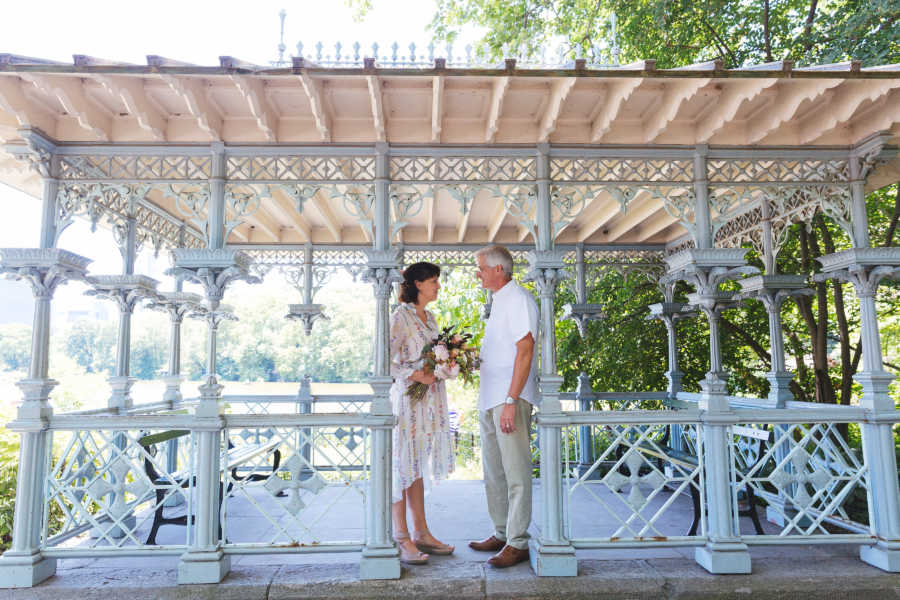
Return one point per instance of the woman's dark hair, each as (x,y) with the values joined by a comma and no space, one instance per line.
(419,271)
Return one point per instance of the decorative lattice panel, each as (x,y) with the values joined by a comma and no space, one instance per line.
(463,169)
(631,496)
(807,473)
(99,494)
(316,497)
(301,168)
(776,170)
(135,168)
(626,170)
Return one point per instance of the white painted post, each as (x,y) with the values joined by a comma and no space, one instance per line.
(551,553)
(23,565)
(723,551)
(877,432)
(121,381)
(380,556)
(205,560)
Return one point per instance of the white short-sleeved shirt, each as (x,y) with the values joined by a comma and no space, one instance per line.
(514,314)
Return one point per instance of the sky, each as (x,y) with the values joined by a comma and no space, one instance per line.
(188,30)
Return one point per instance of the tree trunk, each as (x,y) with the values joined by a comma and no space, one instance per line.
(847,369)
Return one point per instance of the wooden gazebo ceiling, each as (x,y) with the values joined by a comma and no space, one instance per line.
(166,102)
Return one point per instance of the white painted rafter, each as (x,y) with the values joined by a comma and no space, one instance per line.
(727,104)
(193,93)
(882,115)
(70,93)
(462,226)
(241,232)
(559,91)
(640,209)
(253,92)
(26,114)
(429,216)
(848,97)
(676,93)
(289,211)
(314,94)
(376,99)
(497,219)
(791,94)
(618,92)
(607,209)
(321,204)
(130,91)
(654,224)
(498,94)
(262,220)
(437,108)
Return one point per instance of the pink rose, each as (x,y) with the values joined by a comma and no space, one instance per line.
(456,339)
(441,353)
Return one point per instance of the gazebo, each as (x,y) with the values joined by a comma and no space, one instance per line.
(342,161)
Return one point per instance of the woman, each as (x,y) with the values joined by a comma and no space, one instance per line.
(423,444)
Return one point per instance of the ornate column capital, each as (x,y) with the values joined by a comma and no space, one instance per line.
(865,268)
(43,268)
(382,270)
(773,290)
(706,268)
(125,290)
(178,305)
(307,314)
(38,152)
(546,269)
(212,268)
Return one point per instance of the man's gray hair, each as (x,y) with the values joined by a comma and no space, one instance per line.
(497,255)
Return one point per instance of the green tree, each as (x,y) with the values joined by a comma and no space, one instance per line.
(680,32)
(15,346)
(92,344)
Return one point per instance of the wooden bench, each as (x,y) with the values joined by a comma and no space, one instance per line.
(665,453)
(233,459)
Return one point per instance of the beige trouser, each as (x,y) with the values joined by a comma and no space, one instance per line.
(506,459)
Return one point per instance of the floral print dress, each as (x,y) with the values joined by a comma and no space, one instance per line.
(422,440)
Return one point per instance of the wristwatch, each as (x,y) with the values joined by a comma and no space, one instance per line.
(510,400)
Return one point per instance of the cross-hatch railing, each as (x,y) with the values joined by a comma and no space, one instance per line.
(291,466)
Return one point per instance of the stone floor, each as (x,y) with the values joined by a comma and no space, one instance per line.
(457,514)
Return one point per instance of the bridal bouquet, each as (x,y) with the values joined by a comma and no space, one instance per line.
(448,356)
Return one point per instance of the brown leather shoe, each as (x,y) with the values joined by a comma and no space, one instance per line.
(491,544)
(508,557)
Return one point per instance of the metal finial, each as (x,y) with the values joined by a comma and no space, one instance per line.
(282,14)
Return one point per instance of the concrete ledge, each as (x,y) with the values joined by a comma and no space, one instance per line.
(798,574)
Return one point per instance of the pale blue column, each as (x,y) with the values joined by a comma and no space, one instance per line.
(23,564)
(380,556)
(551,552)
(724,552)
(205,560)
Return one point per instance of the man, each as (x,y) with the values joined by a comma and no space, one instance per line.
(508,391)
